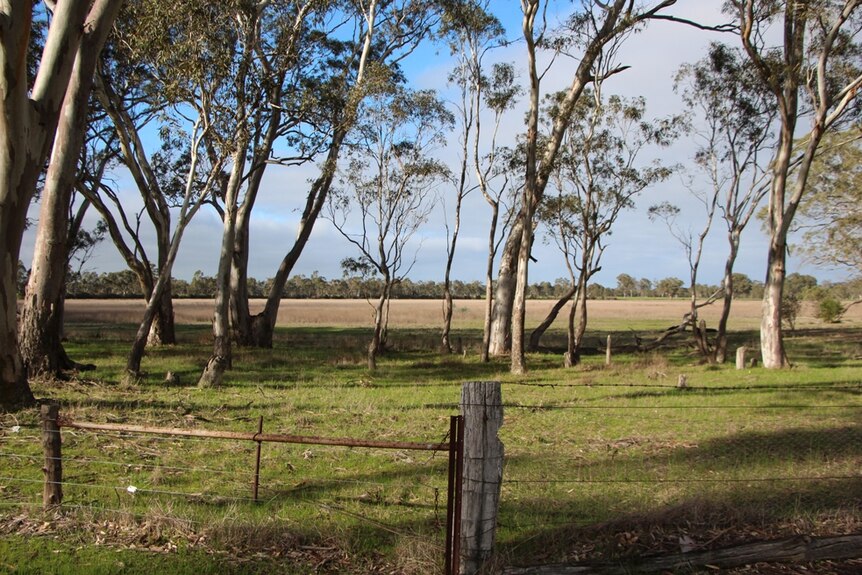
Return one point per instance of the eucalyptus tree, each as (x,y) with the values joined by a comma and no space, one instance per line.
(390,188)
(495,177)
(472,32)
(60,239)
(593,29)
(597,175)
(731,118)
(237,36)
(830,217)
(363,51)
(297,77)
(813,74)
(183,73)
(134,100)
(32,101)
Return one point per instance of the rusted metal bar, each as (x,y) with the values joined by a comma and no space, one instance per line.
(257,459)
(459,481)
(449,564)
(260,437)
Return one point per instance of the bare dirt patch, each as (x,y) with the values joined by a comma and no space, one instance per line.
(428,313)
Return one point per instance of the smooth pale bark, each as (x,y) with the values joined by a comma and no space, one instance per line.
(828,104)
(504,294)
(531,195)
(220,360)
(489,284)
(40,328)
(28,121)
(248,330)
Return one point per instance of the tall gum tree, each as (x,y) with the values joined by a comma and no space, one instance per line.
(40,325)
(188,73)
(589,30)
(814,73)
(731,118)
(390,185)
(29,114)
(472,32)
(598,174)
(385,33)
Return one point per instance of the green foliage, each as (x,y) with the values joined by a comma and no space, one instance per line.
(791,304)
(831,212)
(829,309)
(21,278)
(799,285)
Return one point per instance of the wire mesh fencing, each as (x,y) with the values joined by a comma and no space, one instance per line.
(635,470)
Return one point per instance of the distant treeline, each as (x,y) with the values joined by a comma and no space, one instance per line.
(124,284)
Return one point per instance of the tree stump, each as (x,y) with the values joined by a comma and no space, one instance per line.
(740,357)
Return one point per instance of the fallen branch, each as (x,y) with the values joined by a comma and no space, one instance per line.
(800,549)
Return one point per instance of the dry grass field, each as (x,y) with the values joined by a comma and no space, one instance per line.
(608,314)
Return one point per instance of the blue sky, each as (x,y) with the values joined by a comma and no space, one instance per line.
(637,247)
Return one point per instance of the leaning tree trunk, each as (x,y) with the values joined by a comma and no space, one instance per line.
(720,352)
(504,298)
(41,320)
(40,324)
(376,344)
(537,334)
(577,331)
(163,331)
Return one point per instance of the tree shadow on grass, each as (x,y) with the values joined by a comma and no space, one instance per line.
(721,490)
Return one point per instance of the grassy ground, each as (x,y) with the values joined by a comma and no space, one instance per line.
(602,461)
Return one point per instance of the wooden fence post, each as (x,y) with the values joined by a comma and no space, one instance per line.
(52,493)
(608,351)
(482,408)
(740,357)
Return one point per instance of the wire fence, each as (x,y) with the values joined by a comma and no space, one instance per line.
(624,469)
(203,482)
(678,473)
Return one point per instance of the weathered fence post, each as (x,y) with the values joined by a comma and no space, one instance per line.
(52,493)
(608,351)
(740,357)
(482,408)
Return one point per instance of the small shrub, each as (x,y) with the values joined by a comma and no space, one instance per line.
(790,306)
(830,310)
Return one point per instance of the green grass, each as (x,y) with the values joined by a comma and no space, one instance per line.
(601,461)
